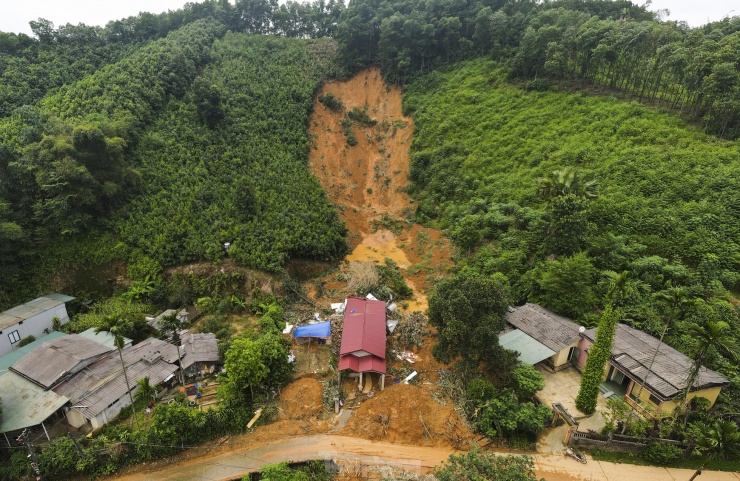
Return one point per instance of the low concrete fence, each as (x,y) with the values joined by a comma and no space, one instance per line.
(616,442)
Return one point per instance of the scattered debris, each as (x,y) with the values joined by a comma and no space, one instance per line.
(257,415)
(410,377)
(407,356)
(410,330)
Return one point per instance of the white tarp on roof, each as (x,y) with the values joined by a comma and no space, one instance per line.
(530,350)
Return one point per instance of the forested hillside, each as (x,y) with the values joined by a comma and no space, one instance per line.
(195,140)
(666,206)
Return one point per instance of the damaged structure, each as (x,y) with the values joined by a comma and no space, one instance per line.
(362,349)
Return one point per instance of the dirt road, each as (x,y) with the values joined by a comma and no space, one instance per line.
(412,458)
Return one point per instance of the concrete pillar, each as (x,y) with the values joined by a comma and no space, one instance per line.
(45,432)
(360,385)
(382,382)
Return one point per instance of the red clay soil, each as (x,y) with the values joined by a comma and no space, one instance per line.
(368,181)
(404,413)
(302,399)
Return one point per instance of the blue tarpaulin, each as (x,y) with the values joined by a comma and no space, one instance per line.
(320,329)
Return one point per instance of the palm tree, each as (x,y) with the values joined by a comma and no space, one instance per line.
(170,326)
(620,286)
(146,390)
(710,336)
(119,328)
(564,182)
(720,440)
(675,299)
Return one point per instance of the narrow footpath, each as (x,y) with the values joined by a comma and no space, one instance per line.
(238,462)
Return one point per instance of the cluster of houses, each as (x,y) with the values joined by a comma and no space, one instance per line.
(78,378)
(639,364)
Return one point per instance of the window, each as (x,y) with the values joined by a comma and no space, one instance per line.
(654,400)
(14,337)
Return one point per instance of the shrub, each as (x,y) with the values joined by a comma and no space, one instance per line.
(331,102)
(527,381)
(26,341)
(660,452)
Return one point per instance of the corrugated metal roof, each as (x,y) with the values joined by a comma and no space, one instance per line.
(530,350)
(12,357)
(362,364)
(633,350)
(105,338)
(554,331)
(199,347)
(99,385)
(182,316)
(29,309)
(52,360)
(24,403)
(364,327)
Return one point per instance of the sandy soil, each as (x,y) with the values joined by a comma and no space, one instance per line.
(367,182)
(302,399)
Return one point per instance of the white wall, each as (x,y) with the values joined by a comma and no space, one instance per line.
(33,326)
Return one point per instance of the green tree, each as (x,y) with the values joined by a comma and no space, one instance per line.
(527,381)
(719,440)
(145,390)
(169,327)
(565,182)
(709,337)
(565,285)
(619,286)
(675,300)
(253,365)
(119,329)
(467,311)
(476,466)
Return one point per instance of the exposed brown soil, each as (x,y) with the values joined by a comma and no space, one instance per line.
(404,413)
(302,399)
(367,182)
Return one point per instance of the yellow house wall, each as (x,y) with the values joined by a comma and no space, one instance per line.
(560,358)
(667,407)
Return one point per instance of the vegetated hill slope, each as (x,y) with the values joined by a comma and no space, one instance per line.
(227,162)
(668,210)
(196,139)
(669,203)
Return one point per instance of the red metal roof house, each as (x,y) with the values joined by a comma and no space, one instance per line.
(363,337)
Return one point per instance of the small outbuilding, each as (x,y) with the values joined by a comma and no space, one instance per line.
(541,335)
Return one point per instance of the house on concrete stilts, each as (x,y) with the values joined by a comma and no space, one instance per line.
(363,338)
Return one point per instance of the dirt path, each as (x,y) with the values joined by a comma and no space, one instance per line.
(411,458)
(367,181)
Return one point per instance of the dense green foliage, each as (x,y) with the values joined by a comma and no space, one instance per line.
(664,212)
(507,410)
(254,366)
(100,155)
(467,311)
(475,465)
(613,44)
(662,453)
(313,471)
